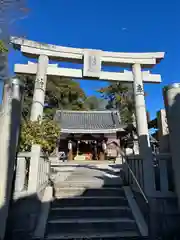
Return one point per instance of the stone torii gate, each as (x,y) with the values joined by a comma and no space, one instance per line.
(92,61)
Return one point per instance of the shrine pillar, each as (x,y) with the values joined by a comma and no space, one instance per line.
(70,151)
(39,88)
(172,104)
(142,130)
(9,137)
(102,155)
(163,133)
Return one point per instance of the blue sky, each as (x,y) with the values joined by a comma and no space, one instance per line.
(115,25)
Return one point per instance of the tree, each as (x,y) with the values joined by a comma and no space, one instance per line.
(64,93)
(120,96)
(3,61)
(44,133)
(61,93)
(3,48)
(93,103)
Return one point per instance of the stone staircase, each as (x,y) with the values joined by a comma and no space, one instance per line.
(90,203)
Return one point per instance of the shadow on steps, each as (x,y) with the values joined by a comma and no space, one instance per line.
(91,204)
(78,211)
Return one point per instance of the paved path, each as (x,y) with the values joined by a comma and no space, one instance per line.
(98,174)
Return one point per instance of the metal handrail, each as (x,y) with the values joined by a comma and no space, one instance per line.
(134,177)
(142,193)
(137,183)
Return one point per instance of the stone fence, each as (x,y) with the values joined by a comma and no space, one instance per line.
(162,177)
(160,209)
(32,172)
(31,186)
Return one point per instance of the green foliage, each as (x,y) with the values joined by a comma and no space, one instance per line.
(44,133)
(61,93)
(120,96)
(92,103)
(3,47)
(64,93)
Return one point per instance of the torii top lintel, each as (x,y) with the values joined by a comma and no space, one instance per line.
(34,49)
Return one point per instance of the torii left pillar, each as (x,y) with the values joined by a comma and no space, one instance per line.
(39,88)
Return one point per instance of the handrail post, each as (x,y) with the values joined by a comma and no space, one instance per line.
(34,168)
(20,174)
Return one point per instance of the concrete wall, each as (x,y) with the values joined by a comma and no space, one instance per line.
(161,214)
(26,206)
(23,216)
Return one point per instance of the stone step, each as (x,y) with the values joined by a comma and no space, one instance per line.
(93,163)
(90,212)
(89,201)
(97,172)
(62,169)
(129,235)
(87,184)
(81,191)
(88,172)
(90,225)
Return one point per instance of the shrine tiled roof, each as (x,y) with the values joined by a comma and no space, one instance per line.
(89,121)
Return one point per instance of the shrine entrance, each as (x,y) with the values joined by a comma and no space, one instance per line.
(86,134)
(83,147)
(92,61)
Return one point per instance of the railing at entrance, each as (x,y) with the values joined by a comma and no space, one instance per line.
(31,190)
(22,173)
(158,209)
(43,172)
(32,172)
(163,174)
(134,172)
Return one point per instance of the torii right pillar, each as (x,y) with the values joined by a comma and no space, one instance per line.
(142,129)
